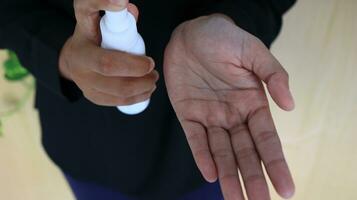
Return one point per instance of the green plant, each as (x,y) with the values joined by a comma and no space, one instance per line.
(13,71)
(13,68)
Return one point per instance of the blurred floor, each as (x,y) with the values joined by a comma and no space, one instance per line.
(318,47)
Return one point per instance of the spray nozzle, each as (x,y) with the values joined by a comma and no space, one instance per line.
(117,21)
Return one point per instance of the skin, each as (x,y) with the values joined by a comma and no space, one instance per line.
(214,72)
(106,77)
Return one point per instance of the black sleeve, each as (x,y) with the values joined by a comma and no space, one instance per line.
(37,32)
(262,18)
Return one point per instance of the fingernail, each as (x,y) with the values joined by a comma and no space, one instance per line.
(288,194)
(291,104)
(288,100)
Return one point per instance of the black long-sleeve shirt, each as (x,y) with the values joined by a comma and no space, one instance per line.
(145,155)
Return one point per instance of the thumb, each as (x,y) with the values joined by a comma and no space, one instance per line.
(269,70)
(133,10)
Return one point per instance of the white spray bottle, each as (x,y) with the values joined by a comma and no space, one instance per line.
(119,32)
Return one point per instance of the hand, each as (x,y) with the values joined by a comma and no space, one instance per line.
(213,72)
(106,77)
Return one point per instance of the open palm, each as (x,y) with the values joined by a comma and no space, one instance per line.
(213,72)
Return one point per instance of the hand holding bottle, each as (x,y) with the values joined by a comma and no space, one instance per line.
(119,32)
(106,77)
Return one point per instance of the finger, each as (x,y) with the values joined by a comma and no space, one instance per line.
(114,63)
(138,98)
(197,139)
(103,99)
(133,10)
(268,144)
(220,144)
(268,69)
(249,163)
(124,87)
(87,13)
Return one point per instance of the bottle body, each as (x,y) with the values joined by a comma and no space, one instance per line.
(119,32)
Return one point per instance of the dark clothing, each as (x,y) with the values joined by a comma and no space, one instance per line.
(145,155)
(91,191)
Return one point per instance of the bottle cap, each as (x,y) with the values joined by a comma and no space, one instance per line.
(117,21)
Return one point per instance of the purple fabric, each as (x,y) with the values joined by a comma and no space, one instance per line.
(90,191)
